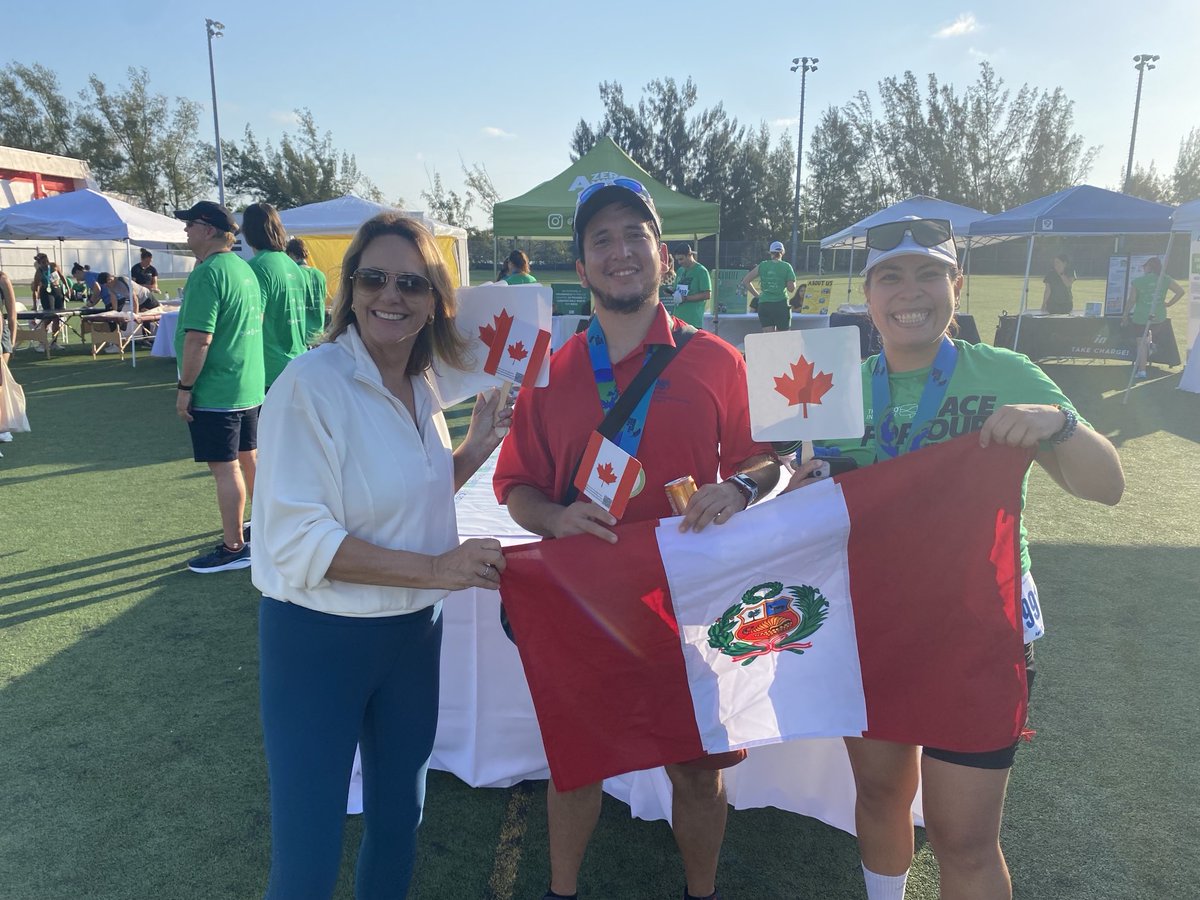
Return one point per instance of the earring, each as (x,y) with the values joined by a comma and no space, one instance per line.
(429,321)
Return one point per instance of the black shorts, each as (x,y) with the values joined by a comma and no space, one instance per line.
(220,435)
(775,313)
(989,759)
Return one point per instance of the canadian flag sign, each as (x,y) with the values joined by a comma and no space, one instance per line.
(805,385)
(507,329)
(884,603)
(608,475)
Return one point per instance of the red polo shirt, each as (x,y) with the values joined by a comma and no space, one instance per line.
(698,423)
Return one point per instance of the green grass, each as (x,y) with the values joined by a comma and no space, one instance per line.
(130,750)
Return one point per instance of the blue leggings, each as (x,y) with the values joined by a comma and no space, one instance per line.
(329,682)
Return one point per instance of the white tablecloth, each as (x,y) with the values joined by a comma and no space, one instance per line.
(164,340)
(487,731)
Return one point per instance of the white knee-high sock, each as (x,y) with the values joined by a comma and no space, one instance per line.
(884,887)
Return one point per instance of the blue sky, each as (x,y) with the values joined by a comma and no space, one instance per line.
(413,88)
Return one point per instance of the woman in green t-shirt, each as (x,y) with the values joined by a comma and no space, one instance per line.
(914,392)
(1149,296)
(518,269)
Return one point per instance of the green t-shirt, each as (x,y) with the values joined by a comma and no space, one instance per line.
(984,379)
(697,280)
(520,278)
(1143,309)
(284,289)
(314,301)
(773,278)
(222,298)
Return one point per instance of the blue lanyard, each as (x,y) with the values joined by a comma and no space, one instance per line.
(887,433)
(629,438)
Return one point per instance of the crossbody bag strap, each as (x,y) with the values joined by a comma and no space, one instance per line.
(645,378)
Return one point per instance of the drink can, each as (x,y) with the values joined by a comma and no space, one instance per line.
(679,492)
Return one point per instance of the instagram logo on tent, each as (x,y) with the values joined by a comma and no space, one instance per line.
(555,221)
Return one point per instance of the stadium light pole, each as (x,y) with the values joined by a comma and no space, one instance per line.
(804,64)
(1141,62)
(215,29)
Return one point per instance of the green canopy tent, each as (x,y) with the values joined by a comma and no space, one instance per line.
(547,212)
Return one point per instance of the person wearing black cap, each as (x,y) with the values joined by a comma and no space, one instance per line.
(693,285)
(693,421)
(219,347)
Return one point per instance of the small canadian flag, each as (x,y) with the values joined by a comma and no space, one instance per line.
(516,348)
(607,475)
(805,385)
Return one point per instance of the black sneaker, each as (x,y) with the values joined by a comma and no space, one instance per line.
(245,532)
(221,559)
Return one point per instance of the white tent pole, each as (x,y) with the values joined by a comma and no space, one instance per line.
(849,269)
(1024,295)
(1158,286)
(132,322)
(968,264)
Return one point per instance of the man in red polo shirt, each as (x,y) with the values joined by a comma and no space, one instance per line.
(695,421)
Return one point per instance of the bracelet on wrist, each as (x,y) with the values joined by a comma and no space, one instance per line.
(1065,433)
(180,386)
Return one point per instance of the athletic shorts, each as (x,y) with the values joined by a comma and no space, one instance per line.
(989,759)
(5,338)
(220,435)
(775,312)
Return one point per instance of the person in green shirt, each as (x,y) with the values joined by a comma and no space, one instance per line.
(924,388)
(693,285)
(284,288)
(518,269)
(317,293)
(776,284)
(1149,296)
(219,349)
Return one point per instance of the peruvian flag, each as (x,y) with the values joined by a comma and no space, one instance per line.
(883,603)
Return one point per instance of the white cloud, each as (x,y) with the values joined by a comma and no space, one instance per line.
(493,131)
(785,124)
(966,23)
(281,117)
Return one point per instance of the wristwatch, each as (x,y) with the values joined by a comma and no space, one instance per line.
(746,485)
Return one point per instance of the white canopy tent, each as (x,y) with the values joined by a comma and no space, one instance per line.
(918,205)
(328,226)
(89,215)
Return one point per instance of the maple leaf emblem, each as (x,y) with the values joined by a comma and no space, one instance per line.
(605,473)
(487,333)
(801,387)
(517,351)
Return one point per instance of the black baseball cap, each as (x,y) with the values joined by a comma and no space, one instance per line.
(209,213)
(600,194)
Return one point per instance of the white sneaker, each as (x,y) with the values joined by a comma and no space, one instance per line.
(5,437)
(111,348)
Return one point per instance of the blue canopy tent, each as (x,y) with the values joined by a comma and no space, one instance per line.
(961,217)
(1077,211)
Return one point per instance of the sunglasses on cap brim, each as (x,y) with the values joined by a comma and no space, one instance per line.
(925,232)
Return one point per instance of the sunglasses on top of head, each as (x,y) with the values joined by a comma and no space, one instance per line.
(926,232)
(628,183)
(372,281)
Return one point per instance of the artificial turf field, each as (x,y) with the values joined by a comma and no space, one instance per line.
(130,752)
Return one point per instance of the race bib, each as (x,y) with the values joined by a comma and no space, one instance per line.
(1031,610)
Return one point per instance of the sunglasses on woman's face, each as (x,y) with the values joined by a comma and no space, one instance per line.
(372,281)
(926,232)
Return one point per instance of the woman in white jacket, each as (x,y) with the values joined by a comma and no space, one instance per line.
(355,545)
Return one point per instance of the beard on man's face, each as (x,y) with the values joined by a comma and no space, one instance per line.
(626,303)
